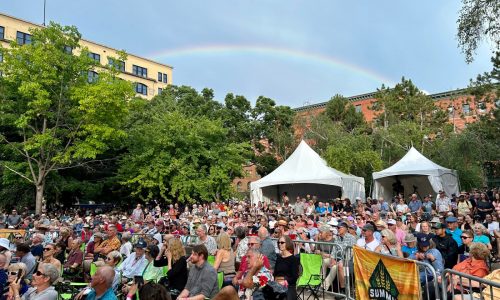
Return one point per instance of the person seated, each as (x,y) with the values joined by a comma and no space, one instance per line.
(151,272)
(48,256)
(3,273)
(134,264)
(16,272)
(126,247)
(202,278)
(5,249)
(389,245)
(74,261)
(247,288)
(475,265)
(37,245)
(150,291)
(41,285)
(110,244)
(24,253)
(101,285)
(225,259)
(253,243)
(174,257)
(429,255)
(113,259)
(481,235)
(411,245)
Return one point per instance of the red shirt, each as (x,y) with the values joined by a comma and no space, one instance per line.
(244,265)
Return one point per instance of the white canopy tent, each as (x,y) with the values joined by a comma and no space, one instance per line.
(305,172)
(416,174)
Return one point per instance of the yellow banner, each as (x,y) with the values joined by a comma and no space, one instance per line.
(5,233)
(381,277)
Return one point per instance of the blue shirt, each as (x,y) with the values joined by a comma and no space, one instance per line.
(481,239)
(109,295)
(409,250)
(415,205)
(320,210)
(456,235)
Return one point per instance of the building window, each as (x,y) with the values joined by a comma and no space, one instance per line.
(481,107)
(92,76)
(160,90)
(2,33)
(162,77)
(465,109)
(358,108)
(96,57)
(141,89)
(117,64)
(23,38)
(139,71)
(68,50)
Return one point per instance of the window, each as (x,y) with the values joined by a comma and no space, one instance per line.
(239,186)
(358,108)
(117,64)
(164,78)
(96,57)
(141,89)
(139,71)
(68,49)
(23,38)
(2,33)
(160,90)
(481,106)
(160,76)
(465,109)
(92,76)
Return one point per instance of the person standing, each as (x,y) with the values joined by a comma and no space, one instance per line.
(446,245)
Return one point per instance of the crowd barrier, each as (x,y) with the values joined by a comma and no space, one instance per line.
(468,287)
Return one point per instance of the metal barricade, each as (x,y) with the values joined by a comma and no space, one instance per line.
(464,286)
(429,281)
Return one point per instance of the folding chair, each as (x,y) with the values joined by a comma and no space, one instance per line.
(211,260)
(311,278)
(220,279)
(93,269)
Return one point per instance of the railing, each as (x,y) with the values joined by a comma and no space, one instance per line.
(459,284)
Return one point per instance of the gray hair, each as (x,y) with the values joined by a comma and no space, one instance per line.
(126,236)
(50,271)
(240,232)
(115,255)
(108,274)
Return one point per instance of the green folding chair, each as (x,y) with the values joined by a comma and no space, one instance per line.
(211,260)
(311,278)
(220,279)
(93,268)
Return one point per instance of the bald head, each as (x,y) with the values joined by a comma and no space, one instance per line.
(263,233)
(107,273)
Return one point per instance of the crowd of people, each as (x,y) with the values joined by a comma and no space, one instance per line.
(231,250)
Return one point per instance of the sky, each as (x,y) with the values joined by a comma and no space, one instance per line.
(296,52)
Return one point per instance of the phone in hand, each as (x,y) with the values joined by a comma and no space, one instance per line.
(139,280)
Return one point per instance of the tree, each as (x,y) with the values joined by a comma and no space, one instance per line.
(55,118)
(177,157)
(478,20)
(341,111)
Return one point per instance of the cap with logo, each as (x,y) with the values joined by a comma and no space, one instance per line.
(439,226)
(423,240)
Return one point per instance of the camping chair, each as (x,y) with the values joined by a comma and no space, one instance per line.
(93,269)
(211,260)
(220,279)
(311,278)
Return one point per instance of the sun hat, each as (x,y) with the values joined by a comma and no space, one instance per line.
(410,238)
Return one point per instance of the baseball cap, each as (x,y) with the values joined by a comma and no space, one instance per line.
(451,220)
(391,222)
(423,240)
(439,226)
(343,224)
(141,244)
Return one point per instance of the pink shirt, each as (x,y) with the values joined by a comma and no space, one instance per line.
(400,236)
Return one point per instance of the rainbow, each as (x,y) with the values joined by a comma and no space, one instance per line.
(269,51)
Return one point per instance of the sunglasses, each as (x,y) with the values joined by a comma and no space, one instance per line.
(464,237)
(39,273)
(109,258)
(281,243)
(13,273)
(18,237)
(48,249)
(251,244)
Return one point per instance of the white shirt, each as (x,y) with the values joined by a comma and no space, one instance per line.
(126,248)
(133,267)
(492,227)
(370,246)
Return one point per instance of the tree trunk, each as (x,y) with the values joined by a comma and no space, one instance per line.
(39,197)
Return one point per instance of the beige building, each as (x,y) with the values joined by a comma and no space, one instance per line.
(150,77)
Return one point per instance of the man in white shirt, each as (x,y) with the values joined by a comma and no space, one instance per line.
(443,203)
(491,225)
(135,264)
(368,241)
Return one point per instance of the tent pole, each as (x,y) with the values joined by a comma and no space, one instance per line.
(371,184)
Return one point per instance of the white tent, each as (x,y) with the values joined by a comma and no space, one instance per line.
(416,174)
(305,172)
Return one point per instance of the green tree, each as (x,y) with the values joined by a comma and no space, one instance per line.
(177,157)
(57,119)
(341,111)
(478,20)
